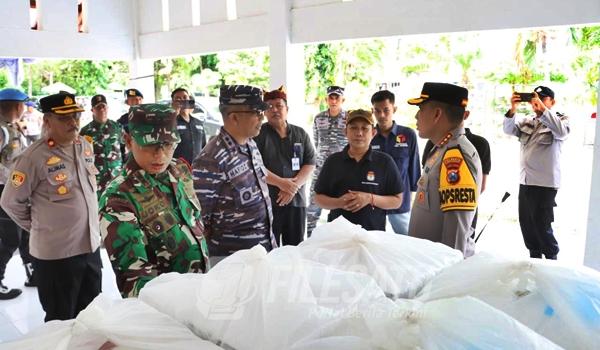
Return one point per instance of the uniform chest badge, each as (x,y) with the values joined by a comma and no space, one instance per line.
(51,143)
(17,178)
(62,189)
(452,169)
(60,177)
(421,197)
(370,176)
(87,152)
(400,139)
(53,160)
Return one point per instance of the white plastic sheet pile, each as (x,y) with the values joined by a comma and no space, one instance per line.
(452,324)
(254,300)
(112,324)
(561,303)
(400,265)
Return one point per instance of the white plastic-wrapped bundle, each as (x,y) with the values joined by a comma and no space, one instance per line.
(254,300)
(561,303)
(400,265)
(112,324)
(453,324)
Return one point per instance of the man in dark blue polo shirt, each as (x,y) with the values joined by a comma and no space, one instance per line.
(290,159)
(400,143)
(359,183)
(191,130)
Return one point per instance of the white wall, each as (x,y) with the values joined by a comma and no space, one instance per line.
(369,18)
(109,30)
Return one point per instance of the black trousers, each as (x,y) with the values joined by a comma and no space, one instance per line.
(536,214)
(11,238)
(67,286)
(289,224)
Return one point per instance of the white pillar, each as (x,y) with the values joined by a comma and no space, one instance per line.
(141,77)
(287,59)
(592,242)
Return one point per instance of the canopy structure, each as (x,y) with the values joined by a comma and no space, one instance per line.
(140,31)
(56,88)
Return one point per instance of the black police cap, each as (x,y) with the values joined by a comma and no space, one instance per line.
(544,91)
(61,103)
(133,93)
(442,92)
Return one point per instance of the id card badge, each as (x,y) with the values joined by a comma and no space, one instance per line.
(295,164)
(297,152)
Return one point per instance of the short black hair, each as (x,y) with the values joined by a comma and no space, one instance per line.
(454,113)
(383,95)
(179,89)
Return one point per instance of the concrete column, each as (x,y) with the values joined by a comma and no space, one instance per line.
(592,242)
(142,78)
(287,59)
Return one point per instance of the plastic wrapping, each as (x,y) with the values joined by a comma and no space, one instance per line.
(561,303)
(112,324)
(252,300)
(400,265)
(452,324)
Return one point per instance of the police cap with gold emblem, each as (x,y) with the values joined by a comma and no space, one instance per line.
(150,124)
(61,103)
(133,93)
(453,95)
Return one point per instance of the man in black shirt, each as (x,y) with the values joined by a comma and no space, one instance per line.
(359,183)
(191,130)
(290,159)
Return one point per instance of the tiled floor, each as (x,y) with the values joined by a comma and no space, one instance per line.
(24,313)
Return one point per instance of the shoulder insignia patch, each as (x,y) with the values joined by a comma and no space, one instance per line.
(458,189)
(89,139)
(17,178)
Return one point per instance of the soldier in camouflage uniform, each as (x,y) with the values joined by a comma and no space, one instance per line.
(12,142)
(107,136)
(149,215)
(230,177)
(329,137)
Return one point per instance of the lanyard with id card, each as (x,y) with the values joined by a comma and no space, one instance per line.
(296,156)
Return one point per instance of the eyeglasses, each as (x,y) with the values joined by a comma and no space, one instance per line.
(164,146)
(255,112)
(277,106)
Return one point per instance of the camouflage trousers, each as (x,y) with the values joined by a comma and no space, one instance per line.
(313,211)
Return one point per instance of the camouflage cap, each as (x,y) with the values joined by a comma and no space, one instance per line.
(153,123)
(242,95)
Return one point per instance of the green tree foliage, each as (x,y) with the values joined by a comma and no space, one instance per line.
(587,39)
(249,67)
(356,63)
(86,77)
(3,78)
(205,74)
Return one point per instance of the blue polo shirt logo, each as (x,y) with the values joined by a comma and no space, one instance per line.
(370,176)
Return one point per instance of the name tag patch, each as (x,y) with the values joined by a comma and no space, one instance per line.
(238,170)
